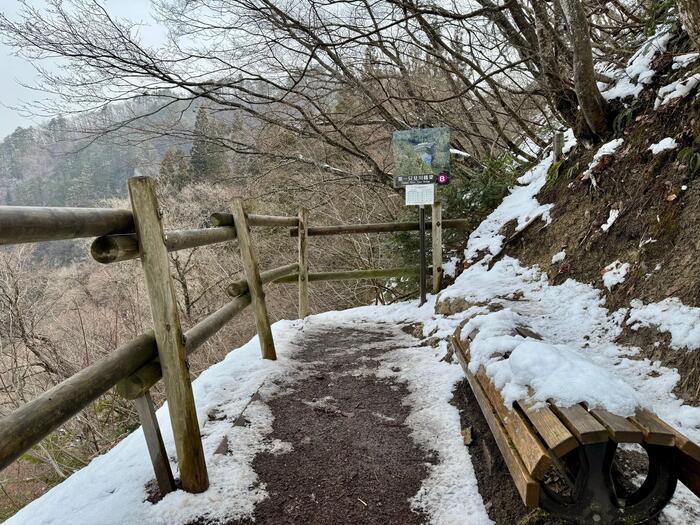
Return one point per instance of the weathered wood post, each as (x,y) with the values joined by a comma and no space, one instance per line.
(558,146)
(436,236)
(255,286)
(154,441)
(168,333)
(303,263)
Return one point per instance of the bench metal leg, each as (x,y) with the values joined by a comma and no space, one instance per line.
(596,498)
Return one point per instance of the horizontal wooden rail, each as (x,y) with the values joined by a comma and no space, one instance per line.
(22,224)
(117,248)
(349,275)
(139,382)
(148,375)
(137,359)
(30,423)
(240,287)
(382,227)
(226,219)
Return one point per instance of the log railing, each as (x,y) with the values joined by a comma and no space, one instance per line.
(135,367)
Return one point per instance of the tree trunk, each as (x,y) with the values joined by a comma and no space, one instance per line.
(690,16)
(593,106)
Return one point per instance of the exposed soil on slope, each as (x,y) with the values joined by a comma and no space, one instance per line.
(658,228)
(352,460)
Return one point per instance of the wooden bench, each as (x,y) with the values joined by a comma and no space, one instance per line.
(562,459)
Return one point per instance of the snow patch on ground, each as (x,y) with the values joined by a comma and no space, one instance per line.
(578,344)
(520,205)
(678,89)
(631,80)
(615,274)
(559,257)
(450,492)
(612,217)
(449,268)
(609,148)
(110,490)
(666,144)
(669,315)
(683,61)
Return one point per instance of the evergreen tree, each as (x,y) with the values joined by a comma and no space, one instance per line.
(208,157)
(175,170)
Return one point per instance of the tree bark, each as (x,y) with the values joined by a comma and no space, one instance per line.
(593,106)
(690,16)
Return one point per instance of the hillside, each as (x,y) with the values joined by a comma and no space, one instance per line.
(605,286)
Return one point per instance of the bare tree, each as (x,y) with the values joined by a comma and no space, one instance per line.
(690,15)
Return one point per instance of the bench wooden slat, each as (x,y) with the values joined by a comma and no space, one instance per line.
(552,431)
(621,430)
(528,445)
(655,431)
(689,457)
(584,426)
(527,487)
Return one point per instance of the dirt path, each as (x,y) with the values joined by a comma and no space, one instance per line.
(351,458)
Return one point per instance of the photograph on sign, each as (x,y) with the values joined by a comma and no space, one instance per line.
(421,156)
(420,195)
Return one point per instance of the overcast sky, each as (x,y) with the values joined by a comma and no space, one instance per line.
(15,70)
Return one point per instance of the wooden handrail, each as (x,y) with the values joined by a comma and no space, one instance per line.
(135,366)
(349,275)
(381,227)
(116,248)
(149,374)
(273,221)
(30,423)
(22,224)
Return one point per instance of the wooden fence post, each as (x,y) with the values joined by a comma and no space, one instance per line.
(303,263)
(436,236)
(558,146)
(168,333)
(154,441)
(255,286)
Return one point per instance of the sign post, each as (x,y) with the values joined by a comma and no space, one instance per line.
(423,269)
(422,159)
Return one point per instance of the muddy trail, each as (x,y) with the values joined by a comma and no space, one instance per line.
(352,459)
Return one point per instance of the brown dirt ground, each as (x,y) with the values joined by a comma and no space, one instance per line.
(352,459)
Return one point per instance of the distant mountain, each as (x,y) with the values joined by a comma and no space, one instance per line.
(79,160)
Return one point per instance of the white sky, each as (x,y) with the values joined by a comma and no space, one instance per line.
(14,70)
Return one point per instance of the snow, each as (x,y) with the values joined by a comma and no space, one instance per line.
(450,492)
(609,148)
(614,214)
(631,80)
(615,274)
(110,490)
(669,315)
(666,144)
(520,206)
(683,61)
(559,257)
(578,358)
(678,89)
(449,268)
(460,153)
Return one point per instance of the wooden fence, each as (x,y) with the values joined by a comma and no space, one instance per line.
(161,353)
